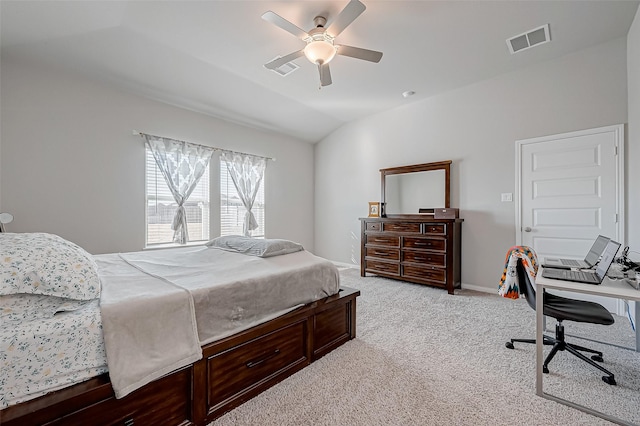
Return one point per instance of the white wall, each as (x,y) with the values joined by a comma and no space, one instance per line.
(71,166)
(633,147)
(476,127)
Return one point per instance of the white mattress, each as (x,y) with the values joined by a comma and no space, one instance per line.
(44,355)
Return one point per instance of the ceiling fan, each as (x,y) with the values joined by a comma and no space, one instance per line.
(320,48)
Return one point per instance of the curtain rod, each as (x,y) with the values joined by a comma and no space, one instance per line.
(137,133)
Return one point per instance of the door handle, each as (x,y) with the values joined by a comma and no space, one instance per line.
(527,229)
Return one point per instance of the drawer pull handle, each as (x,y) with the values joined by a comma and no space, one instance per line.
(380,253)
(419,259)
(252,364)
(421,244)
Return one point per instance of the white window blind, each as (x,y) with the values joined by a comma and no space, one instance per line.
(232,210)
(161,207)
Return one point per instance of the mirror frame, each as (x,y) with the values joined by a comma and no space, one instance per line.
(440,165)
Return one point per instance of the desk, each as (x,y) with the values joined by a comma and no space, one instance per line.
(609,288)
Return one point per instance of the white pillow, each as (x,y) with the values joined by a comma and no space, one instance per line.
(46,264)
(255,246)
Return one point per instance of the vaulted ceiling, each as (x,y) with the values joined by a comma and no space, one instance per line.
(208,56)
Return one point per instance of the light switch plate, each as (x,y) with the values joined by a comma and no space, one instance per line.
(506,197)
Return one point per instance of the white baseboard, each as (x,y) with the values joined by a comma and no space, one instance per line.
(479,288)
(345,265)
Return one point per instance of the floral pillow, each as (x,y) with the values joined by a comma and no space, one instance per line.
(46,264)
(30,307)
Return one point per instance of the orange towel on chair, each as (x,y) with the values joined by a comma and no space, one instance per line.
(509,285)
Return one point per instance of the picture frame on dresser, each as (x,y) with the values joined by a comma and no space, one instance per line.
(374,209)
(415,244)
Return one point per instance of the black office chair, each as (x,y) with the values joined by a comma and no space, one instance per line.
(562,308)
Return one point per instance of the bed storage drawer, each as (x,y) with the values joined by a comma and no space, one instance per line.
(236,371)
(332,328)
(167,403)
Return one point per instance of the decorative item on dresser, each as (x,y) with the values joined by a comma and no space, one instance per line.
(418,238)
(374,209)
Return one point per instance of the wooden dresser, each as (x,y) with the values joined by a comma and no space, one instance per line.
(421,250)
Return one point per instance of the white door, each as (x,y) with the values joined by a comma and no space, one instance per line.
(570,189)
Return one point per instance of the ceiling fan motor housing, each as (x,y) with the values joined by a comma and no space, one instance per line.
(320,21)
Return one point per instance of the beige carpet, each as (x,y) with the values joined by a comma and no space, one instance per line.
(423,357)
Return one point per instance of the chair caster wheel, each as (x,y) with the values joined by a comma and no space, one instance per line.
(597,358)
(610,380)
(509,345)
(546,370)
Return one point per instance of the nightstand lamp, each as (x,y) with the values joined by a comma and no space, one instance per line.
(5,218)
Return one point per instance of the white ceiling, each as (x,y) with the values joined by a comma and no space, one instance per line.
(208,55)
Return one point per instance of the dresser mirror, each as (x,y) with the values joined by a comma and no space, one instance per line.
(415,189)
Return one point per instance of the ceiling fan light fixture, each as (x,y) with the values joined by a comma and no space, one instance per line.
(320,52)
(320,48)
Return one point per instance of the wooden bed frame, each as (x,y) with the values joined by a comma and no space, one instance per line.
(231,371)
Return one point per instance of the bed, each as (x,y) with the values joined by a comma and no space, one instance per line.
(183,344)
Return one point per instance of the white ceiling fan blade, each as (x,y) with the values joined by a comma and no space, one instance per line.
(350,12)
(325,75)
(278,62)
(279,21)
(359,53)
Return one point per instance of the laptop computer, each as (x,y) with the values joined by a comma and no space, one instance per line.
(587,277)
(589,261)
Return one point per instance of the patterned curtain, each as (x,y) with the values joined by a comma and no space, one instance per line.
(182,165)
(247,172)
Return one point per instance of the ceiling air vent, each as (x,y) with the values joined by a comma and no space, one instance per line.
(285,69)
(531,38)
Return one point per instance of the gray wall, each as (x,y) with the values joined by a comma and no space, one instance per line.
(476,127)
(71,166)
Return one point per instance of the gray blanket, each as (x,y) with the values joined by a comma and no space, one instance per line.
(148,300)
(148,325)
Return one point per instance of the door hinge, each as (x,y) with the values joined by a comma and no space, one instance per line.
(615,150)
(615,218)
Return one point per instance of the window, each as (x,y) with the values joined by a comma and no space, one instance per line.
(161,207)
(232,210)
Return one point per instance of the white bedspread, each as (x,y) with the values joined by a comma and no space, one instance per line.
(159,306)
